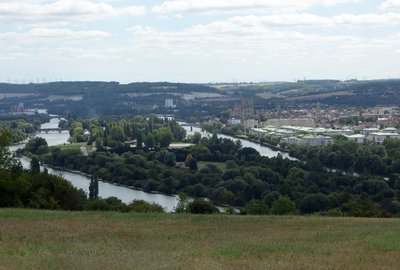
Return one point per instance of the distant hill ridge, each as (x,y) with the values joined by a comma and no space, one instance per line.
(83,87)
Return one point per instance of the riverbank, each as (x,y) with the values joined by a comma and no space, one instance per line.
(35,239)
(102,180)
(221,208)
(126,194)
(264,149)
(273,147)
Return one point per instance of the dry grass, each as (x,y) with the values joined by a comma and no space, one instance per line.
(63,240)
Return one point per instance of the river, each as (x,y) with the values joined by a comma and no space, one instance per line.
(106,190)
(263,150)
(125,194)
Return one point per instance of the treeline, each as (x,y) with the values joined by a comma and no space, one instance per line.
(151,132)
(23,127)
(277,185)
(365,159)
(93,87)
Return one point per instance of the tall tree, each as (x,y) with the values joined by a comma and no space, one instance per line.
(35,166)
(93,188)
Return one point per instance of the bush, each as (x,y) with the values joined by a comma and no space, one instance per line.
(202,207)
(283,206)
(230,211)
(335,212)
(140,206)
(362,206)
(97,205)
(116,204)
(255,207)
(314,203)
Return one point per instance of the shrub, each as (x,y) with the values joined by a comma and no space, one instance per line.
(202,207)
(140,206)
(97,205)
(283,206)
(255,207)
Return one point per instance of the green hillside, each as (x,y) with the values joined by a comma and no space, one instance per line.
(32,239)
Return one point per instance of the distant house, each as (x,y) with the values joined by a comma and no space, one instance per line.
(271,131)
(180,145)
(390,130)
(380,137)
(234,121)
(358,138)
(132,143)
(367,131)
(250,123)
(309,140)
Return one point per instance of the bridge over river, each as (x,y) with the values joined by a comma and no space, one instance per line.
(55,129)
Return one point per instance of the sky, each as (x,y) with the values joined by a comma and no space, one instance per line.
(199,41)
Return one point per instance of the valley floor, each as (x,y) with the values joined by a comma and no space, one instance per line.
(34,239)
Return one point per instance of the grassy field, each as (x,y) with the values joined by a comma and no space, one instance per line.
(73,146)
(31,239)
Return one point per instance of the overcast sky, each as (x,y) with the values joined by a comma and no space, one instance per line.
(198,40)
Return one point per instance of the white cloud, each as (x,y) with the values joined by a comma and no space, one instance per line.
(234,36)
(305,19)
(390,4)
(38,35)
(63,10)
(188,6)
(249,49)
(251,37)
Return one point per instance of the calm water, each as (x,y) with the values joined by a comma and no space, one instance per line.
(263,150)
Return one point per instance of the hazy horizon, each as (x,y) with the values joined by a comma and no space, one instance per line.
(201,83)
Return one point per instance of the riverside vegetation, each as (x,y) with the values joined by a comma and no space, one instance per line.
(35,189)
(259,184)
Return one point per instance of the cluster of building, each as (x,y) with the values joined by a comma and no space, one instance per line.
(243,115)
(20,109)
(300,136)
(308,136)
(330,115)
(315,126)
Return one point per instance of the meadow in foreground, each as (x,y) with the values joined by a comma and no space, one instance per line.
(34,239)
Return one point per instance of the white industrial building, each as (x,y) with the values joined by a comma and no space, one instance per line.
(309,140)
(367,131)
(380,137)
(169,103)
(358,138)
